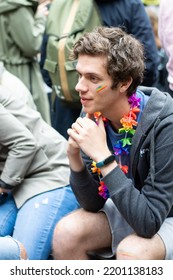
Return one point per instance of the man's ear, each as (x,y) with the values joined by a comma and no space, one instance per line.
(125,85)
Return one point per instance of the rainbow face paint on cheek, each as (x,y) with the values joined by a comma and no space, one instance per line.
(99,88)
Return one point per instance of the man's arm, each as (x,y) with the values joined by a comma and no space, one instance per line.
(18,148)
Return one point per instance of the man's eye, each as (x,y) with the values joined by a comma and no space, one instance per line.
(94,79)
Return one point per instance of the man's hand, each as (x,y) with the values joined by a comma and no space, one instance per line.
(73,147)
(90,137)
(4,191)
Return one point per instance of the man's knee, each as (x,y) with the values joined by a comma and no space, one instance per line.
(67,235)
(134,247)
(63,231)
(131,247)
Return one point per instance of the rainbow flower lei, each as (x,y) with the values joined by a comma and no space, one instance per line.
(122,146)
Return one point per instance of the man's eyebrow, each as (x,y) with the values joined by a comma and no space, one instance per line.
(88,73)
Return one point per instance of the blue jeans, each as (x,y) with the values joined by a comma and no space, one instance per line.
(33,224)
(9,249)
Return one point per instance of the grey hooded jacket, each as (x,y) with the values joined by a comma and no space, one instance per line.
(147,200)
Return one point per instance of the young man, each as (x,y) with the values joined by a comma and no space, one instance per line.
(123,178)
(132,16)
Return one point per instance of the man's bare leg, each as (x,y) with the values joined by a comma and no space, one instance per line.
(134,247)
(80,232)
(23,254)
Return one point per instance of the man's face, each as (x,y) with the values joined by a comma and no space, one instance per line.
(94,85)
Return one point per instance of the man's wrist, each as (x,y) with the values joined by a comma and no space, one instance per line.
(106,161)
(3,185)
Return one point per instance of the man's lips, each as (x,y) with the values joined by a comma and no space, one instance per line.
(84,100)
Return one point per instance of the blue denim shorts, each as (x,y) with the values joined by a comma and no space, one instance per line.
(9,249)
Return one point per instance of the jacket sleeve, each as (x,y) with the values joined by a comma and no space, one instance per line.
(18,148)
(85,188)
(27,30)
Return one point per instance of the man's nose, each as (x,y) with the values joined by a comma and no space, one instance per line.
(81,85)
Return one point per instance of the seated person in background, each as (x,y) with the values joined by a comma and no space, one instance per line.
(123,178)
(11,249)
(34,171)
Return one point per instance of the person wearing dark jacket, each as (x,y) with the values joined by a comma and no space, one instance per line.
(131,15)
(123,178)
